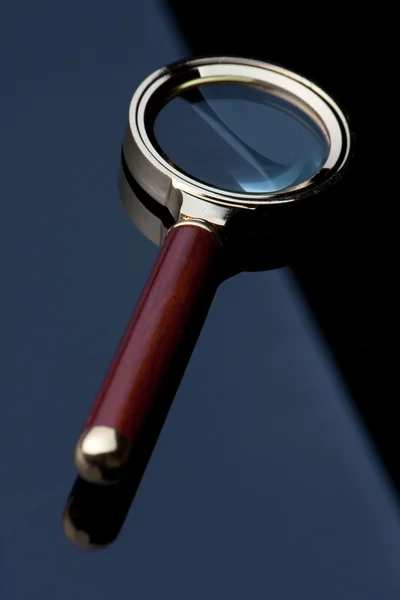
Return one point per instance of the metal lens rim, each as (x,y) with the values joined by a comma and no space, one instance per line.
(166,83)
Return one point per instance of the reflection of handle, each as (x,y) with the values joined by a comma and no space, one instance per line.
(94,514)
(135,396)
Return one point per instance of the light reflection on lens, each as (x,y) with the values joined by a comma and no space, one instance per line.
(240,138)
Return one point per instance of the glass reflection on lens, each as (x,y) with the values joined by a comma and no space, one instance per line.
(240,138)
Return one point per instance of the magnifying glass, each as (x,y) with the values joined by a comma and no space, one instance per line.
(212,147)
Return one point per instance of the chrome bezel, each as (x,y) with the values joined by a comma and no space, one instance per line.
(161,179)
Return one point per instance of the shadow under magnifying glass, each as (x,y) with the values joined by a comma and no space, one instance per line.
(94,515)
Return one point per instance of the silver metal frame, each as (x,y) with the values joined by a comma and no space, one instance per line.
(181,194)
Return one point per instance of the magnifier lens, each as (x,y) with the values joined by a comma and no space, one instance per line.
(241,138)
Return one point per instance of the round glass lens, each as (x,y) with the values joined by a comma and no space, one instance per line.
(240,138)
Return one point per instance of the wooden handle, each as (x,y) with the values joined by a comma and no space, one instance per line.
(133,401)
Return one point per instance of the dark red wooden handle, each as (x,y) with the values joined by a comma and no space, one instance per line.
(135,396)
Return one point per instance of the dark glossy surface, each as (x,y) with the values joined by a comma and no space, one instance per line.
(264,482)
(240,138)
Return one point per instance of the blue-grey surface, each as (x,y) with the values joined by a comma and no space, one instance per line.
(263,484)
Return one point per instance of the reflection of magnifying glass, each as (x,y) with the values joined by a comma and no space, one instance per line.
(210,142)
